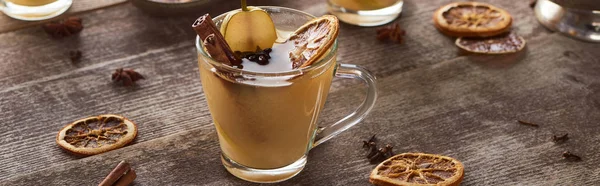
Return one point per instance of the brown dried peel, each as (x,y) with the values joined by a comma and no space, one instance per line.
(503,44)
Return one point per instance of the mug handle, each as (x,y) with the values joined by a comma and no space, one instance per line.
(351,72)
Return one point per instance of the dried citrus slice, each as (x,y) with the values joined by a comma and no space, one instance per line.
(312,40)
(418,169)
(471,19)
(97,134)
(503,44)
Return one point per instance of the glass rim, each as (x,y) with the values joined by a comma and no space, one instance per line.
(316,65)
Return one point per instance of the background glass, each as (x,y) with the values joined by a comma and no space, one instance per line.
(267,122)
(33,10)
(575,18)
(366,12)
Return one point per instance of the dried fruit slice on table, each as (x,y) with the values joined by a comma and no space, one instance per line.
(503,44)
(418,169)
(97,134)
(471,19)
(312,40)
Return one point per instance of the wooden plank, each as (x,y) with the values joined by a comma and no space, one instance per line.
(40,90)
(8,24)
(103,40)
(30,95)
(27,75)
(462,108)
(423,44)
(110,35)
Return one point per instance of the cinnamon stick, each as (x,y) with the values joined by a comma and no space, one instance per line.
(115,174)
(126,179)
(214,41)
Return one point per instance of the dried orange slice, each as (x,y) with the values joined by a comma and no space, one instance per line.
(503,44)
(97,134)
(312,40)
(418,169)
(471,19)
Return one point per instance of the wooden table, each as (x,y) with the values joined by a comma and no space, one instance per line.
(432,98)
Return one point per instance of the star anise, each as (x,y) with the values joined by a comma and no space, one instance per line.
(391,32)
(64,28)
(127,77)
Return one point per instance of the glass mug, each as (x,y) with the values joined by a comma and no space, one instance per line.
(365,12)
(575,18)
(34,10)
(267,122)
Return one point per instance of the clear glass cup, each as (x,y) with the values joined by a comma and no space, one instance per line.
(576,18)
(34,10)
(366,12)
(267,122)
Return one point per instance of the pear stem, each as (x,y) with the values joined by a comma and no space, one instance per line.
(244,6)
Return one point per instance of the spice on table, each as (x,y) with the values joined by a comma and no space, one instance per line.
(391,32)
(371,145)
(126,179)
(121,175)
(560,139)
(528,123)
(378,157)
(570,156)
(372,150)
(371,140)
(64,28)
(382,154)
(389,149)
(127,77)
(375,154)
(75,56)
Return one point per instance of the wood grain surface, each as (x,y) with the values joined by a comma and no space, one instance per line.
(433,98)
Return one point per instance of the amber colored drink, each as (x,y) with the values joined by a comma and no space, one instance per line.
(364,4)
(34,10)
(366,12)
(266,126)
(32,2)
